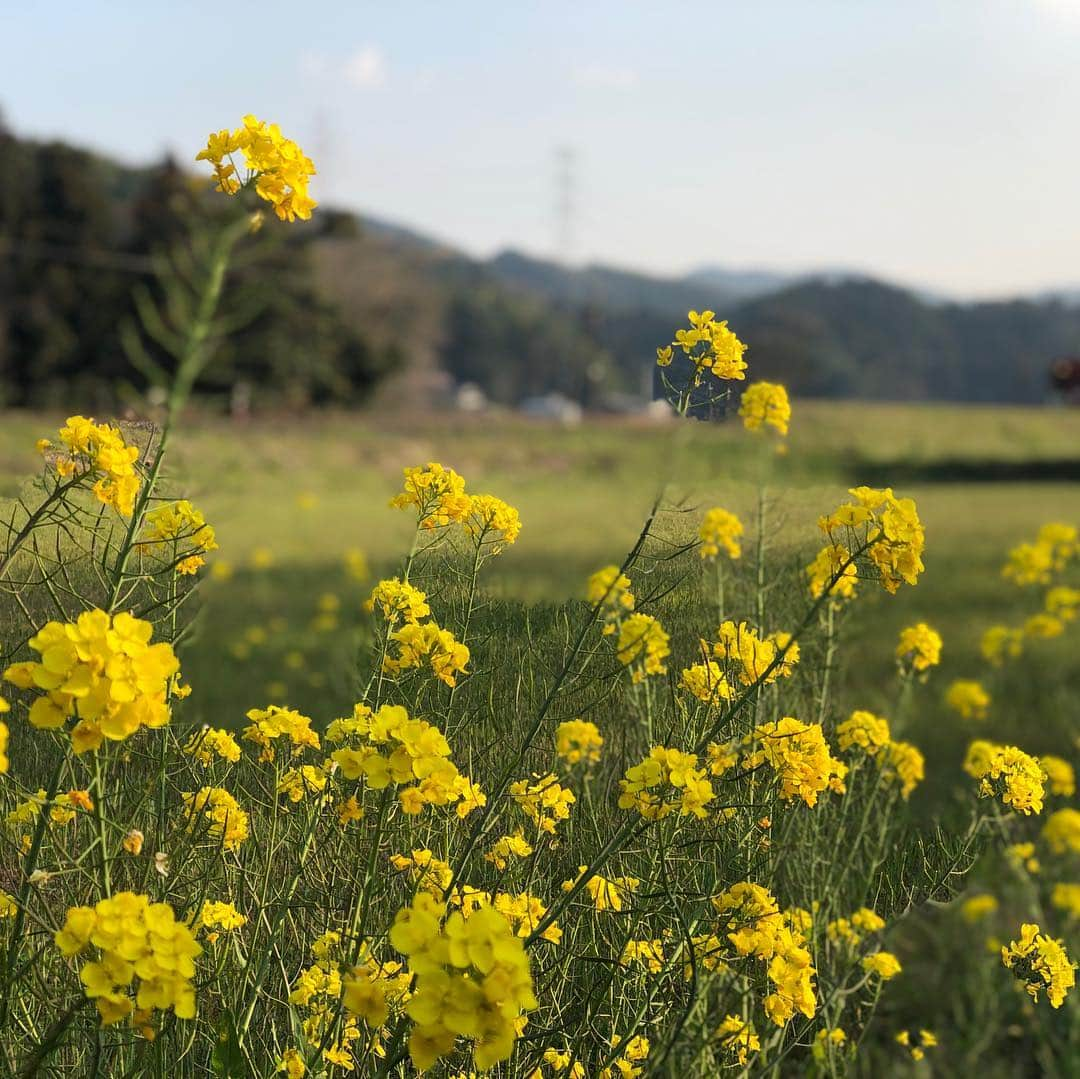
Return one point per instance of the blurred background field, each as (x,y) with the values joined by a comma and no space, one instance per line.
(296,500)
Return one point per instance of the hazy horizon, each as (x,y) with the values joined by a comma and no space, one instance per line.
(928,145)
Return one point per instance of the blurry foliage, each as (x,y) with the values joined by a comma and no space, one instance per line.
(80,240)
(331,307)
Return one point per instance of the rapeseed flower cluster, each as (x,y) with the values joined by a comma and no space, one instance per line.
(1062,831)
(1063,603)
(492,523)
(642,645)
(799,755)
(905,764)
(410,753)
(318,989)
(182,528)
(417,642)
(707,681)
(88,449)
(919,648)
(752,657)
(737,1039)
(900,762)
(629,1064)
(606,894)
(1041,963)
(215,812)
(968,699)
(720,530)
(437,493)
(851,931)
(667,779)
(1000,644)
(472,980)
(646,953)
(710,346)
(272,724)
(1066,897)
(865,730)
(212,744)
(1060,775)
(297,783)
(887,528)
(276,166)
(827,1042)
(751,920)
(215,915)
(398,601)
(1010,774)
(884,965)
(1054,547)
(765,404)
(830,561)
(508,847)
(523,912)
(428,643)
(578,740)
(439,497)
(917,1051)
(544,801)
(425,870)
(145,958)
(101,671)
(609,590)
(978,907)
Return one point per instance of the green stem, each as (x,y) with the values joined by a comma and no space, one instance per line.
(99,823)
(23,897)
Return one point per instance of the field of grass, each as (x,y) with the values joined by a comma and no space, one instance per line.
(290,498)
(308,489)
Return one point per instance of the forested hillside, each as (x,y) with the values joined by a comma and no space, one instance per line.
(330,309)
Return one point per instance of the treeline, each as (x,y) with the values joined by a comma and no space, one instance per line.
(827,337)
(326,311)
(80,236)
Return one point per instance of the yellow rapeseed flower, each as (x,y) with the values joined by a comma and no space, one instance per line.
(1041,963)
(276,167)
(765,404)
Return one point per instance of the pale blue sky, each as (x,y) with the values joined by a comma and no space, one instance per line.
(936,143)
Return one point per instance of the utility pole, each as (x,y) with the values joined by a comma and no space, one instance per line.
(565,203)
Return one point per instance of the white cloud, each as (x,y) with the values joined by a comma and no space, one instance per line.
(366,67)
(602,77)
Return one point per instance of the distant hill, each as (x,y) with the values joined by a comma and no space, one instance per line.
(351,304)
(606,287)
(860,338)
(741,284)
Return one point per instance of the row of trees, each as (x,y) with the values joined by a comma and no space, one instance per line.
(322,311)
(81,239)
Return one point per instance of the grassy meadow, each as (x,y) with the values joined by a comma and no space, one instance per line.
(289,496)
(300,509)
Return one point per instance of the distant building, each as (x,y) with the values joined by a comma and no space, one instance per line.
(469,397)
(553,406)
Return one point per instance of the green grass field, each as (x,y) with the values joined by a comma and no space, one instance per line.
(306,490)
(290,497)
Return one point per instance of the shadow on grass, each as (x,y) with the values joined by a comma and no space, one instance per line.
(965,470)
